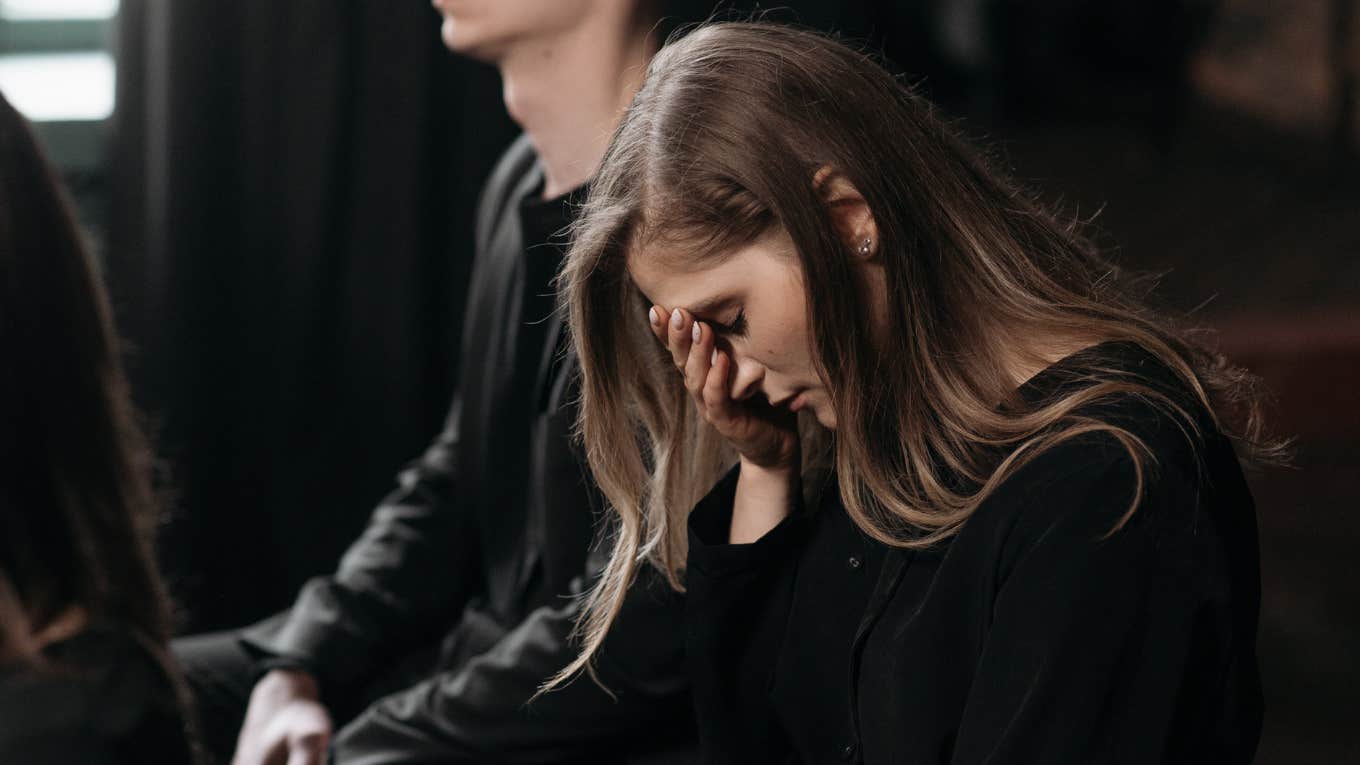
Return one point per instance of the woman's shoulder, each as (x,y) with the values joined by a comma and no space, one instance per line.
(1140,460)
(99,696)
(1145,403)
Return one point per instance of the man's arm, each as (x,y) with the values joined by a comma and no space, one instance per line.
(481,711)
(402,581)
(417,561)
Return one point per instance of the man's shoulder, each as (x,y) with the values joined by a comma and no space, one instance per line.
(518,160)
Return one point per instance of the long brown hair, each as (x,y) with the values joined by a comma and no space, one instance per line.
(719,147)
(77,510)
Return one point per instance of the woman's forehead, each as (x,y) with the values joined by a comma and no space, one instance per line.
(663,280)
(671,278)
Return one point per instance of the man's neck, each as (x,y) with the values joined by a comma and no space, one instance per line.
(569,93)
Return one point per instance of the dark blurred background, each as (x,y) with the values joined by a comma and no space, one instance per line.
(281,196)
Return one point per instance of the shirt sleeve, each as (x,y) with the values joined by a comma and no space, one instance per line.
(737,602)
(1091,632)
(409,573)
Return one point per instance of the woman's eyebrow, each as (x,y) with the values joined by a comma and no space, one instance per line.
(712,305)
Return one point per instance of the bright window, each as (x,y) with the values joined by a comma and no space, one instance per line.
(57,69)
(32,10)
(59,87)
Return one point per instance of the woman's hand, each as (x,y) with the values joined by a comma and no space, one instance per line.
(766,437)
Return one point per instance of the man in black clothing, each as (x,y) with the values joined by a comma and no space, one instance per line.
(455,604)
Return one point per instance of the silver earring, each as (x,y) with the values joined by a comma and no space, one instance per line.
(865,245)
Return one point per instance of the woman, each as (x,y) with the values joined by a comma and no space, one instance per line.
(84,675)
(1035,544)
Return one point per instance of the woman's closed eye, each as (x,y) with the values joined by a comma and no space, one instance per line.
(736,328)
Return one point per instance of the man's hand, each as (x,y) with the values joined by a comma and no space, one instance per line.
(285,722)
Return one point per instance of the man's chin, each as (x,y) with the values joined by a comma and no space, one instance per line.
(449,33)
(457,39)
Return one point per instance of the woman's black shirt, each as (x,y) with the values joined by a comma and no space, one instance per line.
(1029,637)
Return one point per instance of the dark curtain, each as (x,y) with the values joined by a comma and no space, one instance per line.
(293,193)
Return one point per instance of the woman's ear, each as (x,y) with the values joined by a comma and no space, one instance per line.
(851,214)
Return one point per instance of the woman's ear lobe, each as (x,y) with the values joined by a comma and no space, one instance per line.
(851,214)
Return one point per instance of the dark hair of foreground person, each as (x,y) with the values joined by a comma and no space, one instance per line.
(84,618)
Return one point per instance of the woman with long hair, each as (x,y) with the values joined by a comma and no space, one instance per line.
(84,670)
(939,485)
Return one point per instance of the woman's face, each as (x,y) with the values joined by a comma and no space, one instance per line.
(756,305)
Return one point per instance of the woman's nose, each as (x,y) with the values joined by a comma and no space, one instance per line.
(747,378)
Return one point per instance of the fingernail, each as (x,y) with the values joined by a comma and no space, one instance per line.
(677,320)
(654,317)
(695,333)
(714,358)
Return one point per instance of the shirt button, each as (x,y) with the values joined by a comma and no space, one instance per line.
(855,562)
(848,751)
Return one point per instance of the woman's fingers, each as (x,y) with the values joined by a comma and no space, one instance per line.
(679,337)
(692,348)
(656,318)
(699,359)
(669,331)
(715,397)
